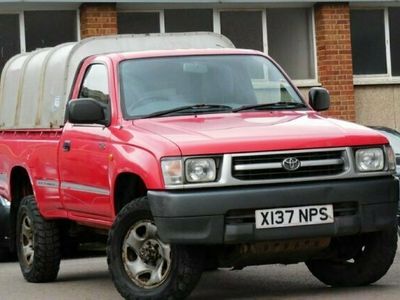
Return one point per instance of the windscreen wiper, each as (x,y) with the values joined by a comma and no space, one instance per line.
(274,105)
(197,108)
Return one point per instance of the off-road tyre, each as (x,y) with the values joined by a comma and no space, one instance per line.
(186,262)
(45,262)
(374,258)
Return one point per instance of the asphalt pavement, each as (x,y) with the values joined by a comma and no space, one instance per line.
(88,278)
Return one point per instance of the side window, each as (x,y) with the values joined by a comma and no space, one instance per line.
(95,84)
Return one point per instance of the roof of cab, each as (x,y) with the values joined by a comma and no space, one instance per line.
(117,57)
(35,86)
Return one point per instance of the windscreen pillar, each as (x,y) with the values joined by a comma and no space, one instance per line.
(98,19)
(334,57)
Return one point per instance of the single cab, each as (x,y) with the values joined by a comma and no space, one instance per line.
(190,155)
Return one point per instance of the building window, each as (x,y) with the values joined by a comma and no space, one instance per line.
(394,25)
(49,28)
(181,20)
(375,39)
(368,41)
(9,37)
(243,28)
(138,22)
(290,41)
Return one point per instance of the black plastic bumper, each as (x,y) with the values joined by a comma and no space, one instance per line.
(4,224)
(203,216)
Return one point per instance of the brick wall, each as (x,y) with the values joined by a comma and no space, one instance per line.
(335,66)
(98,19)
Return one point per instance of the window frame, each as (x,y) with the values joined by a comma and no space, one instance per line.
(384,78)
(77,20)
(175,8)
(217,29)
(311,82)
(161,18)
(217,22)
(21,45)
(86,73)
(21,17)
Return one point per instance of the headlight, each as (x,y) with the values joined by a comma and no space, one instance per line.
(200,170)
(172,171)
(370,159)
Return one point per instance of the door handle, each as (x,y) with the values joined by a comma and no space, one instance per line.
(67,146)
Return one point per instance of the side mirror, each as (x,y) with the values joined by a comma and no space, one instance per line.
(319,98)
(87,111)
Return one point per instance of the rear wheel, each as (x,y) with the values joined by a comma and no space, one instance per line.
(360,260)
(142,266)
(38,243)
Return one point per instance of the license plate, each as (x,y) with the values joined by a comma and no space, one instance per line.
(294,216)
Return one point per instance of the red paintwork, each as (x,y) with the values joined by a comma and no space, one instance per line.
(137,146)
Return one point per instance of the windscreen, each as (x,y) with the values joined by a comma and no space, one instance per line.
(152,85)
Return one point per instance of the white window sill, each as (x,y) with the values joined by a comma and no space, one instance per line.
(306,83)
(375,80)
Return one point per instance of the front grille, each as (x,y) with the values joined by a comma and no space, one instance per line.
(270,166)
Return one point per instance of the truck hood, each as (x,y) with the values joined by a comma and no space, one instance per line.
(258,131)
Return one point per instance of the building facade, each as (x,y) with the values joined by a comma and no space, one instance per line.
(350,47)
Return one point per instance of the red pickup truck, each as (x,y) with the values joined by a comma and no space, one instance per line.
(187,159)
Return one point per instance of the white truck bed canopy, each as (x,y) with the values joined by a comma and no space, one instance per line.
(35,86)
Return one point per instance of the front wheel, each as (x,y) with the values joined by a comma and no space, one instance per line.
(142,266)
(357,260)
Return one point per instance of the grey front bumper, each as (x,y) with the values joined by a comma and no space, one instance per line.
(205,216)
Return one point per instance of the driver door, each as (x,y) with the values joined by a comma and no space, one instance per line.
(84,154)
